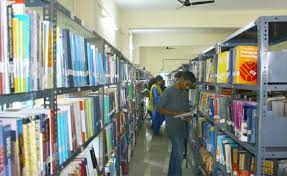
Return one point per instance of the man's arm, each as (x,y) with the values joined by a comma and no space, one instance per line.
(167,112)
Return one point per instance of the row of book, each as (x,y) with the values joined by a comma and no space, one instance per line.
(27,142)
(78,120)
(26,60)
(106,153)
(234,158)
(89,162)
(125,71)
(111,105)
(237,116)
(80,63)
(237,66)
(238,161)
(33,144)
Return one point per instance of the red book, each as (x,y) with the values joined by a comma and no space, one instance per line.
(83,120)
(53,142)
(74,138)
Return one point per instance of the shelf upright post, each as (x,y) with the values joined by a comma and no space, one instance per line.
(263,43)
(50,14)
(118,82)
(195,151)
(101,47)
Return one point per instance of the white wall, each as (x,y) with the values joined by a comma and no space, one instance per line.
(131,20)
(90,12)
(152,57)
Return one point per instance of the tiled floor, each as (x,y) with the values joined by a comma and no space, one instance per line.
(151,155)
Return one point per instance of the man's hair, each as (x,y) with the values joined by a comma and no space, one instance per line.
(178,74)
(188,76)
(158,78)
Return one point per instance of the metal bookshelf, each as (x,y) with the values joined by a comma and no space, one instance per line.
(58,15)
(270,129)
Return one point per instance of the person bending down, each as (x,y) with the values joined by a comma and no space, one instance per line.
(173,102)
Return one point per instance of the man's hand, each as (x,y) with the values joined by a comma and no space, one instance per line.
(187,118)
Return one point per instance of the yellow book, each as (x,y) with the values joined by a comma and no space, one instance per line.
(15,29)
(32,148)
(21,57)
(210,73)
(26,160)
(245,65)
(50,59)
(223,71)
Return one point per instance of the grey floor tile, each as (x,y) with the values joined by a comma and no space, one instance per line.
(151,155)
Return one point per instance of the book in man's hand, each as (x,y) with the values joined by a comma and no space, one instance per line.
(185,116)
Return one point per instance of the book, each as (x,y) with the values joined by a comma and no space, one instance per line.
(210,71)
(223,67)
(26,47)
(245,65)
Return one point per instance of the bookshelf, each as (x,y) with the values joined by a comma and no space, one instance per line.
(112,145)
(270,143)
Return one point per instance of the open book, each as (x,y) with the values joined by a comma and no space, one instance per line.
(185,116)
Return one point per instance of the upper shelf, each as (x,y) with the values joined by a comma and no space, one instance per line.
(67,19)
(277,26)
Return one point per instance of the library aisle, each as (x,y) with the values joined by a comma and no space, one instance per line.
(151,155)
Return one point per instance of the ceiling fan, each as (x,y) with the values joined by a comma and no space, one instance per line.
(187,3)
(169,48)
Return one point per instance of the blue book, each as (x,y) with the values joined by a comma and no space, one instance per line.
(253,127)
(211,107)
(63,137)
(247,123)
(72,50)
(77,60)
(66,137)
(211,142)
(2,149)
(7,149)
(220,155)
(59,137)
(26,39)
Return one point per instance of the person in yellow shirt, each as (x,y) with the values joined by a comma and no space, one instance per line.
(155,93)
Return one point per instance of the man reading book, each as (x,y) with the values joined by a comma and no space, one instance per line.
(173,102)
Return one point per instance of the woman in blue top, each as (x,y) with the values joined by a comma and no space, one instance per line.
(155,93)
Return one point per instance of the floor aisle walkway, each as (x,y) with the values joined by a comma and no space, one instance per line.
(151,155)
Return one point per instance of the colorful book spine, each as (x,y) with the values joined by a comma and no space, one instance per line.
(223,67)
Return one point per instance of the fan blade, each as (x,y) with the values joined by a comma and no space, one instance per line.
(180,1)
(179,7)
(202,2)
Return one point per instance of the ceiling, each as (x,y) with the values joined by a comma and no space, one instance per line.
(218,5)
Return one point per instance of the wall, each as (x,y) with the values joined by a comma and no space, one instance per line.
(90,12)
(188,40)
(182,19)
(152,57)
